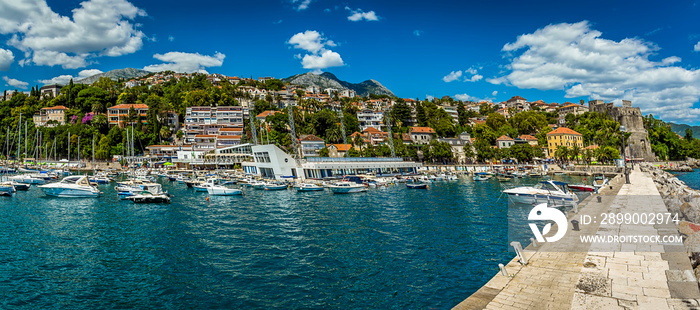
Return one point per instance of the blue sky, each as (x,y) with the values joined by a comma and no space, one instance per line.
(557,51)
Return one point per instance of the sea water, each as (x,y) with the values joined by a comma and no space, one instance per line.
(387,248)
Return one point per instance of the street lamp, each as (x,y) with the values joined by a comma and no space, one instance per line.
(627,174)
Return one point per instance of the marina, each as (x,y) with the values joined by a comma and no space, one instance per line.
(384,247)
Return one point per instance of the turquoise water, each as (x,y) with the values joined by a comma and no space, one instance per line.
(692,179)
(388,248)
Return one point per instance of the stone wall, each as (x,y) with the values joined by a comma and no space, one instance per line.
(631,118)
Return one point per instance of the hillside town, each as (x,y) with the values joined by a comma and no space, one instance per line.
(200,119)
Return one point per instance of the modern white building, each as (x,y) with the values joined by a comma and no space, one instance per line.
(269,161)
(205,120)
(369,118)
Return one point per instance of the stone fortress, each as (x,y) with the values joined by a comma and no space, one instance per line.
(631,118)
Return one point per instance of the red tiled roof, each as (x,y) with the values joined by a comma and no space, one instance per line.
(591,147)
(516,98)
(265,114)
(422,130)
(504,137)
(310,138)
(341,147)
(527,137)
(205,136)
(372,130)
(221,137)
(563,131)
(234,129)
(58,107)
(128,106)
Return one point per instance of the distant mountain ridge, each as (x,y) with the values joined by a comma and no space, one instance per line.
(680,129)
(328,80)
(126,73)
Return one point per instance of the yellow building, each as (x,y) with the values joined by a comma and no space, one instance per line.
(563,136)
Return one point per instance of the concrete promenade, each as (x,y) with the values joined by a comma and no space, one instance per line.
(570,274)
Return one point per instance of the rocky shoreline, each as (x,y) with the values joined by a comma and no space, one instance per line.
(686,166)
(682,200)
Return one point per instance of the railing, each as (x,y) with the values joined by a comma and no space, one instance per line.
(354,159)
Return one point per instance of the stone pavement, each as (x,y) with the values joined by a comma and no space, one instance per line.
(571,274)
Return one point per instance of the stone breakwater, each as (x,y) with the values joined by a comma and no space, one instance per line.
(684,201)
(686,166)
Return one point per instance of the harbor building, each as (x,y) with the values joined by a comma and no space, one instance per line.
(269,161)
(563,136)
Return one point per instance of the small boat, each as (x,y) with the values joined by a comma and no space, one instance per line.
(308,187)
(276,186)
(416,186)
(346,187)
(21,186)
(148,197)
(135,187)
(6,189)
(71,186)
(544,191)
(100,179)
(582,187)
(536,174)
(481,176)
(256,184)
(560,173)
(599,181)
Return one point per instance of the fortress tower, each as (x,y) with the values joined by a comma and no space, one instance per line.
(631,118)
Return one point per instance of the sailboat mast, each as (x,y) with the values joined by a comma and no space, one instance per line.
(19,136)
(69,146)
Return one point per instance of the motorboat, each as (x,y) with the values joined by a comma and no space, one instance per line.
(276,186)
(582,187)
(536,173)
(20,186)
(545,191)
(100,179)
(346,187)
(135,187)
(148,197)
(308,187)
(220,190)
(504,177)
(28,179)
(256,184)
(71,186)
(6,189)
(599,180)
(481,176)
(417,185)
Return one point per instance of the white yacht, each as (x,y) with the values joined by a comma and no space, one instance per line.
(345,187)
(6,188)
(308,187)
(545,191)
(72,186)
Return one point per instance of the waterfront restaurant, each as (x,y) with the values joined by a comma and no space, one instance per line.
(272,162)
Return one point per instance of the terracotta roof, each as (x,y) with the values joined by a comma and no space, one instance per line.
(221,137)
(234,129)
(504,137)
(516,98)
(372,130)
(563,131)
(58,107)
(205,136)
(527,137)
(265,114)
(310,138)
(405,137)
(355,134)
(422,130)
(341,147)
(128,106)
(591,147)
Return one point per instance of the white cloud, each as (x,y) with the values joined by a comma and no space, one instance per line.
(65,78)
(301,5)
(429,97)
(6,59)
(171,38)
(494,93)
(697,47)
(15,83)
(319,57)
(358,15)
(417,33)
(456,75)
(327,59)
(96,28)
(310,41)
(186,62)
(576,59)
(453,76)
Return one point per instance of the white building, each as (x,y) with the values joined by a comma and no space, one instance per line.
(369,118)
(208,120)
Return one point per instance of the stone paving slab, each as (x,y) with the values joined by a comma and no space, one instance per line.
(628,276)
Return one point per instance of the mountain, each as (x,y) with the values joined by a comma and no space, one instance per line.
(328,80)
(680,129)
(126,74)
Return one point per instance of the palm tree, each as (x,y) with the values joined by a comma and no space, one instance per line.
(358,141)
(574,152)
(562,153)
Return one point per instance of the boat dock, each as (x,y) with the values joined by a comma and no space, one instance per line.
(570,274)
